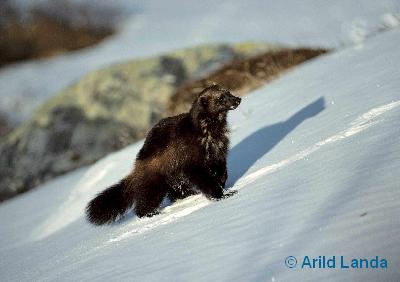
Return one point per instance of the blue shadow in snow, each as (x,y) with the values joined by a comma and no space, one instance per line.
(250,149)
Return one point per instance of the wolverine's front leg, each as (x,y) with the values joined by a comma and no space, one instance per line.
(219,171)
(205,182)
(223,175)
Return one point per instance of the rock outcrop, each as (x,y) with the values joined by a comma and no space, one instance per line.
(103,112)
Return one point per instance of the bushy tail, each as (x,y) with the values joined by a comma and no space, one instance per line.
(108,205)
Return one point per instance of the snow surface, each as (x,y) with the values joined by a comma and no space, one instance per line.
(159,26)
(315,157)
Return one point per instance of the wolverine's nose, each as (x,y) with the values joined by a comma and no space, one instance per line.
(237,101)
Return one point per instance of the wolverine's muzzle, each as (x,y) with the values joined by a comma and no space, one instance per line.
(234,102)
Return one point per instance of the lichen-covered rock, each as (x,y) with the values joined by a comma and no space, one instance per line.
(5,127)
(103,112)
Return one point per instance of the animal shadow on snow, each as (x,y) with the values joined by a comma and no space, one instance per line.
(253,147)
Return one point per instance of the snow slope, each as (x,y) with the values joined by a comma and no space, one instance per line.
(156,26)
(315,157)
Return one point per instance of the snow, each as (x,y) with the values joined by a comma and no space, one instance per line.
(156,26)
(314,158)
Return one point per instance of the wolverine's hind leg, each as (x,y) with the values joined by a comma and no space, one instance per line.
(150,195)
(182,192)
(180,187)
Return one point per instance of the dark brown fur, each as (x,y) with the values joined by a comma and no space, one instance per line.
(181,156)
(242,75)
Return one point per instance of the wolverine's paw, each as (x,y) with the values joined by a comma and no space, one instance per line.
(150,214)
(228,194)
(147,214)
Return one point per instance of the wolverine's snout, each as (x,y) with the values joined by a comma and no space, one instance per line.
(234,102)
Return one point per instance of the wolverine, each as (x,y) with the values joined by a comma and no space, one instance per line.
(182,155)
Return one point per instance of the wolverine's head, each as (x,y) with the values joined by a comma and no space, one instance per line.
(215,99)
